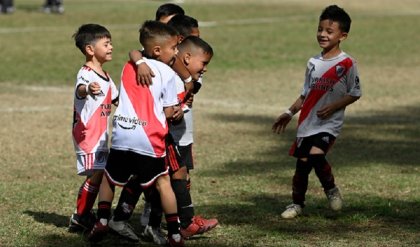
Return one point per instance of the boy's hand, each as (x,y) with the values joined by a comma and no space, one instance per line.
(94,88)
(144,75)
(325,112)
(281,122)
(178,114)
(189,99)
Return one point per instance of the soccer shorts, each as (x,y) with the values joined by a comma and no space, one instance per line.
(123,164)
(88,163)
(178,156)
(302,145)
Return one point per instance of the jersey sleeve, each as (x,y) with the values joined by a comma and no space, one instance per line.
(353,81)
(83,78)
(170,97)
(306,84)
(114,91)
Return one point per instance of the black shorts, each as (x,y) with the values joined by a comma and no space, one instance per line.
(122,165)
(302,146)
(178,156)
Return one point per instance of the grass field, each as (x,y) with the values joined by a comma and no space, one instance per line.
(243,174)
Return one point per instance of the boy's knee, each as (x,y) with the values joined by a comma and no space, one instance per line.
(181,173)
(303,167)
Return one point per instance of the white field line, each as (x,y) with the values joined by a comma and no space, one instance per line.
(227,104)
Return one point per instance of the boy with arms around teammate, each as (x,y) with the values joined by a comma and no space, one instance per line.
(94,94)
(331,84)
(140,128)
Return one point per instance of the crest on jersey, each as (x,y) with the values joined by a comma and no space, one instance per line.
(339,70)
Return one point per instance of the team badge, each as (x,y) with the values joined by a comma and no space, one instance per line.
(339,70)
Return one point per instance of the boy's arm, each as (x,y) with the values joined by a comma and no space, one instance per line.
(144,73)
(182,71)
(281,122)
(327,110)
(169,112)
(92,88)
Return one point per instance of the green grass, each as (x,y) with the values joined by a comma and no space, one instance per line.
(243,174)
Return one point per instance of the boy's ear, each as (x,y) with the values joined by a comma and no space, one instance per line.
(156,51)
(89,50)
(343,36)
(187,58)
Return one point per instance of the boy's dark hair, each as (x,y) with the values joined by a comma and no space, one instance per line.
(335,13)
(168,9)
(88,34)
(152,30)
(183,24)
(196,42)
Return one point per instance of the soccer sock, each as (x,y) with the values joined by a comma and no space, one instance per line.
(173,223)
(156,209)
(322,170)
(104,210)
(300,182)
(129,197)
(184,203)
(86,197)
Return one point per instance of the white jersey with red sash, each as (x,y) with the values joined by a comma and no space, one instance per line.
(91,114)
(326,81)
(139,122)
(182,132)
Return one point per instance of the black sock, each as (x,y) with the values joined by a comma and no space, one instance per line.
(322,170)
(173,223)
(156,209)
(129,197)
(104,210)
(184,203)
(300,182)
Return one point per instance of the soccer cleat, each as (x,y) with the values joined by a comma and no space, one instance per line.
(292,211)
(154,234)
(123,229)
(205,224)
(175,240)
(144,218)
(81,223)
(334,198)
(98,232)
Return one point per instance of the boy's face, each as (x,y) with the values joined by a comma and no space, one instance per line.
(167,51)
(197,62)
(101,50)
(329,34)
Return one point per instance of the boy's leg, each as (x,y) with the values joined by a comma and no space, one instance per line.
(129,197)
(300,181)
(106,195)
(163,185)
(322,170)
(127,202)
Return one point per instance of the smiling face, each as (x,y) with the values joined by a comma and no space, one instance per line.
(197,61)
(101,50)
(329,35)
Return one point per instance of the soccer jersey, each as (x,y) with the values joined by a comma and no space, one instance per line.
(91,114)
(182,131)
(139,122)
(326,81)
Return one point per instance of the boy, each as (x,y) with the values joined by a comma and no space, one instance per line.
(195,54)
(331,84)
(164,14)
(95,91)
(140,128)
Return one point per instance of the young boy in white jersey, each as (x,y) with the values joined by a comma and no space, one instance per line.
(140,128)
(95,92)
(331,84)
(195,54)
